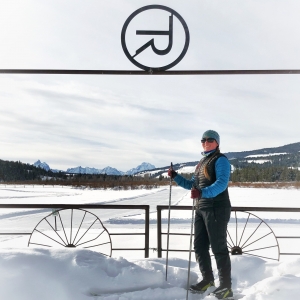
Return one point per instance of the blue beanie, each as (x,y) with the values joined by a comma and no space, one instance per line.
(212,134)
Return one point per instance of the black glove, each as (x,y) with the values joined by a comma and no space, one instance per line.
(172,173)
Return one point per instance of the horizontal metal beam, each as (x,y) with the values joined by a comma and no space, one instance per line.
(76,206)
(123,233)
(121,249)
(177,250)
(150,72)
(288,237)
(15,233)
(236,208)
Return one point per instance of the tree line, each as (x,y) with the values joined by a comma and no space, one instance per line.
(281,167)
(13,172)
(17,172)
(265,174)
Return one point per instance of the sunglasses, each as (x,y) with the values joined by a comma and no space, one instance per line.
(209,140)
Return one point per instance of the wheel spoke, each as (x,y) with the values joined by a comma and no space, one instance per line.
(49,237)
(55,231)
(71,225)
(79,227)
(260,249)
(228,233)
(41,245)
(90,240)
(236,227)
(244,229)
(97,245)
(257,240)
(85,232)
(62,225)
(252,234)
(260,256)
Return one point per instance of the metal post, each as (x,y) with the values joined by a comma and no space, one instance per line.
(169,214)
(147,231)
(190,253)
(159,236)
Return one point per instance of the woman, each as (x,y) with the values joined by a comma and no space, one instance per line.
(209,185)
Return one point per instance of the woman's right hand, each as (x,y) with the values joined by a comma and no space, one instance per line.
(172,173)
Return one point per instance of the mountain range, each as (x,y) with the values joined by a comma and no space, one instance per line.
(287,155)
(107,170)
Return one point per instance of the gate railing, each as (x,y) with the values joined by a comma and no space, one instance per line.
(238,243)
(72,207)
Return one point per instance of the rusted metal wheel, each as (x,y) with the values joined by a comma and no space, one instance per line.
(250,235)
(72,228)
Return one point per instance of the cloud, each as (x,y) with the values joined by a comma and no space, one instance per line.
(121,121)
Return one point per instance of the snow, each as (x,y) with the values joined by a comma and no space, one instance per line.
(261,161)
(83,274)
(34,273)
(262,155)
(187,169)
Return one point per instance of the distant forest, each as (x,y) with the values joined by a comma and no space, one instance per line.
(19,173)
(259,173)
(277,168)
(280,167)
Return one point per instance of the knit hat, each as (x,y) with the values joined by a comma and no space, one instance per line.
(212,134)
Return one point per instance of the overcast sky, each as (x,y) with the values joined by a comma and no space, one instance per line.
(122,121)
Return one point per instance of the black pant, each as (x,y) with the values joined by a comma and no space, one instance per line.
(210,230)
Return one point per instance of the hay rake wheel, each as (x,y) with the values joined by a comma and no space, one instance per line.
(72,228)
(252,236)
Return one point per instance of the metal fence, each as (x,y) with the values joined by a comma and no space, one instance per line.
(247,234)
(78,226)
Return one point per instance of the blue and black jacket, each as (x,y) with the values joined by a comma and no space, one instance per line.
(215,188)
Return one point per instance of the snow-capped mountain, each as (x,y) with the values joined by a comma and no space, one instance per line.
(111,171)
(107,170)
(81,170)
(142,167)
(42,165)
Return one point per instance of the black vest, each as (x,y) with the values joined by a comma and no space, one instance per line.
(222,199)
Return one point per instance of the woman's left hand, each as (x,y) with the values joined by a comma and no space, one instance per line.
(195,193)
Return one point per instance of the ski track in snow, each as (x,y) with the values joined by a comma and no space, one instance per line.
(37,193)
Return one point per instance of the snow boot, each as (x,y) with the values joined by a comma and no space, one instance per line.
(223,293)
(201,286)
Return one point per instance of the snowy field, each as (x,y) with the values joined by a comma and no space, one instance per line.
(61,273)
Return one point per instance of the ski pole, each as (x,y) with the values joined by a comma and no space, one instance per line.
(190,252)
(167,256)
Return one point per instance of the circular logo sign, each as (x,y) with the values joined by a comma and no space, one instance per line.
(154,44)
